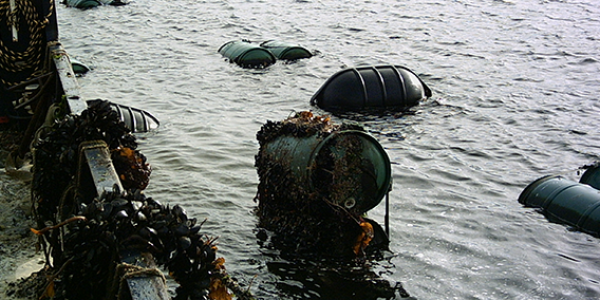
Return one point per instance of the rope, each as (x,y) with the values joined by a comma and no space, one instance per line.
(126,271)
(16,61)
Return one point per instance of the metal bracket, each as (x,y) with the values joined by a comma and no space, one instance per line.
(67,78)
(96,172)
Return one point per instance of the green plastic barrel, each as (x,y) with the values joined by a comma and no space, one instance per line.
(79,67)
(565,201)
(247,55)
(83,4)
(349,167)
(286,51)
(591,177)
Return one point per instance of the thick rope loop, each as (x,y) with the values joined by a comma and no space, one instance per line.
(13,61)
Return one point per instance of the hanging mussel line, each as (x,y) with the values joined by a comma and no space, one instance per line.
(86,236)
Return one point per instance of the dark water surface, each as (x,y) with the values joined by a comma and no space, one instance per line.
(515,97)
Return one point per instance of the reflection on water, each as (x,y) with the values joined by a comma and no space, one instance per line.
(325,280)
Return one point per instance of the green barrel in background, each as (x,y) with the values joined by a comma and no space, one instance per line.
(79,67)
(247,55)
(565,201)
(591,177)
(286,51)
(85,4)
(350,167)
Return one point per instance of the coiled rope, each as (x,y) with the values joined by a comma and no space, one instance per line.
(14,61)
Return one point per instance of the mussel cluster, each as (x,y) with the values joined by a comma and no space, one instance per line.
(88,238)
(107,230)
(305,221)
(56,154)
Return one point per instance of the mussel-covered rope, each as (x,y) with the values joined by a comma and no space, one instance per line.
(14,61)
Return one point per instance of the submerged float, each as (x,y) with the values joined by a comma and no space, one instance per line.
(564,201)
(286,51)
(86,4)
(371,88)
(249,55)
(317,180)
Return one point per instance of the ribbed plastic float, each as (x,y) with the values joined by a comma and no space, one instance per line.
(247,55)
(137,120)
(286,51)
(565,201)
(386,87)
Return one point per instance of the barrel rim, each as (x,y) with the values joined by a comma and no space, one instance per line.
(229,43)
(534,184)
(388,167)
(587,176)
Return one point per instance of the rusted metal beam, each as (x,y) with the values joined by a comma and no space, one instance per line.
(96,170)
(136,275)
(67,78)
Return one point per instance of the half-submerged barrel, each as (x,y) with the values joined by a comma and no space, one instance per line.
(286,51)
(565,201)
(83,4)
(135,119)
(316,182)
(247,55)
(591,176)
(379,88)
(79,67)
(86,4)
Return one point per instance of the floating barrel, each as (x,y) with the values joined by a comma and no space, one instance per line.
(136,120)
(286,51)
(83,4)
(349,166)
(565,201)
(591,177)
(247,55)
(371,88)
(79,67)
